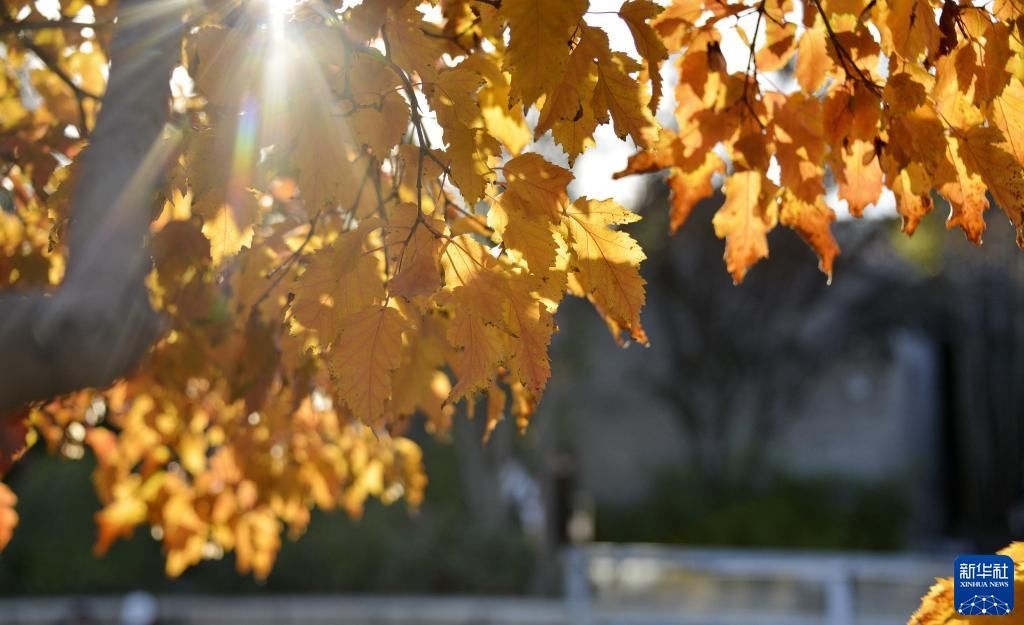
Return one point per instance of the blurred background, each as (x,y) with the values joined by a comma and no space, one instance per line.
(786,451)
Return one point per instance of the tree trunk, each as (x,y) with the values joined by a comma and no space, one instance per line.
(98,324)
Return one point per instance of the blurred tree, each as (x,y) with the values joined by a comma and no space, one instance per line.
(750,355)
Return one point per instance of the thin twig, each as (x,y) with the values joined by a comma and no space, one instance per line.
(54,66)
(843,55)
(278,273)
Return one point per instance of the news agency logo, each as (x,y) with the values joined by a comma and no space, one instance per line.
(983,585)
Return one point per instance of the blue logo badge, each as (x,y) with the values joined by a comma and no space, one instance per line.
(983,585)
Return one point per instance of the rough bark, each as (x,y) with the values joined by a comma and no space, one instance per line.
(98,324)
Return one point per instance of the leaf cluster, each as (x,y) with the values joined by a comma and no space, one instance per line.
(356,229)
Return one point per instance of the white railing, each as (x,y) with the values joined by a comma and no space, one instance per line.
(655,584)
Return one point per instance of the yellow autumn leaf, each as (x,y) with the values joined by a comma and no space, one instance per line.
(407,42)
(813,222)
(414,247)
(860,176)
(322,157)
(690,187)
(481,345)
(812,59)
(364,358)
(1007,113)
(568,111)
(608,262)
(224,67)
(744,221)
(225,235)
(624,99)
(984,154)
(118,519)
(779,45)
(382,125)
(504,123)
(528,233)
(530,325)
(965,190)
(537,50)
(339,281)
(536,186)
(637,14)
(913,198)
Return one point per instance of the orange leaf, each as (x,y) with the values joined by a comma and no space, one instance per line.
(8,515)
(364,357)
(537,53)
(860,176)
(690,187)
(636,14)
(744,222)
(536,186)
(813,222)
(608,262)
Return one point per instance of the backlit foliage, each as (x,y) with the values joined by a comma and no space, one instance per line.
(356,229)
(937,606)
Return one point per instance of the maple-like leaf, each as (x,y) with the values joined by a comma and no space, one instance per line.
(636,14)
(480,342)
(419,382)
(623,99)
(537,50)
(779,45)
(339,281)
(568,109)
(526,232)
(965,190)
(860,176)
(992,76)
(813,222)
(454,99)
(381,126)
(409,45)
(911,29)
(536,186)
(744,222)
(1007,113)
(690,187)
(984,155)
(812,59)
(608,262)
(904,93)
(913,200)
(530,325)
(414,246)
(800,146)
(224,68)
(227,236)
(119,519)
(506,124)
(364,358)
(478,293)
(321,155)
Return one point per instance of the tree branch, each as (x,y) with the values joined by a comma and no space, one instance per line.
(99,323)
